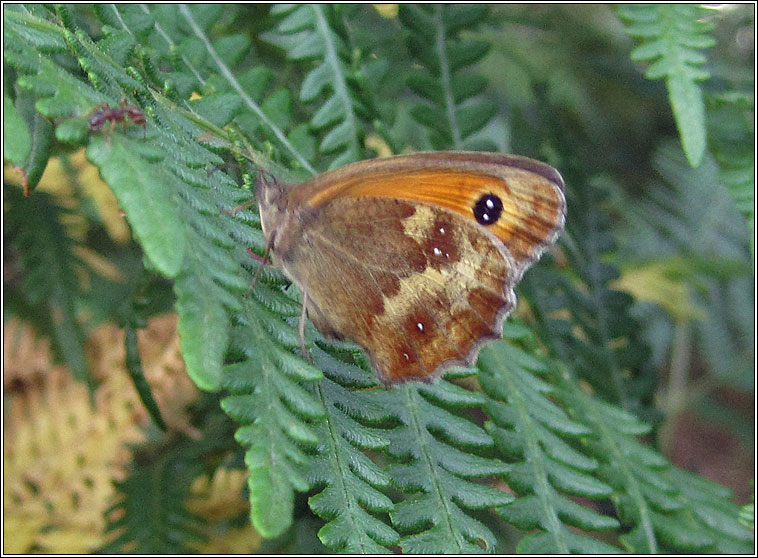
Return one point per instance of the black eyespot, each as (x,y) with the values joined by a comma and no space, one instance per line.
(488,209)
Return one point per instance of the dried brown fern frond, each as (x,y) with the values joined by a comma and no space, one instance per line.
(26,357)
(60,457)
(221,499)
(61,451)
(161,362)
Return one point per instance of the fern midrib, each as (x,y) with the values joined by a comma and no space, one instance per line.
(120,19)
(596,286)
(617,457)
(251,104)
(421,435)
(156,512)
(339,85)
(57,250)
(343,469)
(671,36)
(273,449)
(445,77)
(535,458)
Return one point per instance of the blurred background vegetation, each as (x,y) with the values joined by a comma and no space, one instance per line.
(648,113)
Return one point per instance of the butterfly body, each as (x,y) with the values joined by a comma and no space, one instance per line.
(414,257)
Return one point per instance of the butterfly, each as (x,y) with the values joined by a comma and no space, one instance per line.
(414,257)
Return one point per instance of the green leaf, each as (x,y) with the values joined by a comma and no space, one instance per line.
(145,193)
(203,332)
(277,415)
(671,34)
(16,132)
(351,483)
(37,159)
(451,108)
(527,427)
(689,113)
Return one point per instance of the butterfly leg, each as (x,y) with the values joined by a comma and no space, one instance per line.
(261,265)
(301,329)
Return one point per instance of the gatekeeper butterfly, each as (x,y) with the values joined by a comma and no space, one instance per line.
(414,257)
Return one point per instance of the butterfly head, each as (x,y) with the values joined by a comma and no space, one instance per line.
(282,218)
(272,203)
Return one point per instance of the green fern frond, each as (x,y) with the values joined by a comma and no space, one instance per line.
(747,514)
(19,143)
(44,255)
(349,482)
(453,108)
(184,32)
(20,137)
(672,36)
(649,494)
(689,220)
(538,439)
(437,454)
(579,445)
(151,513)
(732,139)
(408,467)
(171,167)
(155,221)
(307,34)
(715,513)
(163,184)
(690,211)
(601,338)
(276,412)
(738,175)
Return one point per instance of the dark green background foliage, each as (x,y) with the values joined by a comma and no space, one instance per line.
(549,444)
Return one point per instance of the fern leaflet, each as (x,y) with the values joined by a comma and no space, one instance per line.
(673,35)
(453,109)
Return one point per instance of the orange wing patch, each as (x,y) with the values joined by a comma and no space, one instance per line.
(531,207)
